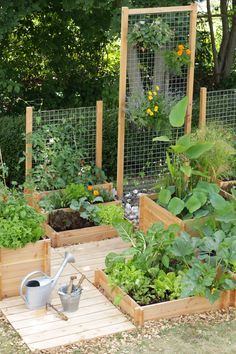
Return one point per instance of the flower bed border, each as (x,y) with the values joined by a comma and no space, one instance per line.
(16,264)
(163,310)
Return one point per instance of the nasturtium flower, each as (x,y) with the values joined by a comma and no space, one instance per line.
(188,51)
(150,98)
(156,109)
(181,47)
(180,52)
(90,188)
(157,88)
(154,93)
(150,93)
(96,193)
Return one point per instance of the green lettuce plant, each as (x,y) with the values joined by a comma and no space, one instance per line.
(19,223)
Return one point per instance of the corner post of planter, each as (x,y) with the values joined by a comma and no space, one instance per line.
(202,111)
(141,206)
(99,133)
(96,277)
(122,96)
(28,154)
(139,316)
(190,81)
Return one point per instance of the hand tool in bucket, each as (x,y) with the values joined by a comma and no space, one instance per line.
(70,295)
(36,292)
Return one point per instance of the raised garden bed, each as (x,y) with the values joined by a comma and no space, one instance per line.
(15,264)
(79,230)
(34,197)
(169,309)
(151,213)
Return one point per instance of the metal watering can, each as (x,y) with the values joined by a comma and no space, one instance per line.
(36,292)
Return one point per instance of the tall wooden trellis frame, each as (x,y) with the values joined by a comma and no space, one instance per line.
(126,13)
(98,138)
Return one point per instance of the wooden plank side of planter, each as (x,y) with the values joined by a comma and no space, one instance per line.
(168,309)
(87,234)
(16,264)
(127,304)
(151,213)
(187,306)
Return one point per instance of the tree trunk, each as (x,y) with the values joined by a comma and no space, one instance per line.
(160,73)
(133,69)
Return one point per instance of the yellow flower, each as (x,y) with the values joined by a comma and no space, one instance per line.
(154,93)
(180,52)
(150,98)
(156,109)
(90,188)
(96,193)
(150,93)
(188,51)
(148,110)
(213,290)
(157,88)
(181,47)
(151,114)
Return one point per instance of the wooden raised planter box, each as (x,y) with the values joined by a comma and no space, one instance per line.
(16,264)
(33,198)
(168,309)
(151,213)
(87,234)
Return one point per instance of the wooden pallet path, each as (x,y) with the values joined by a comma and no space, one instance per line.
(91,256)
(43,329)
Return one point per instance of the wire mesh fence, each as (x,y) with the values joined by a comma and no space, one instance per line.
(77,124)
(144,160)
(221,108)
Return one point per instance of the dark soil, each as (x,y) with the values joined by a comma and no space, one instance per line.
(61,220)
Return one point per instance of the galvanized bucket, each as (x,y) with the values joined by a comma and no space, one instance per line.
(70,302)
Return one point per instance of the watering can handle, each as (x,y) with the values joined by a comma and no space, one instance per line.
(25,280)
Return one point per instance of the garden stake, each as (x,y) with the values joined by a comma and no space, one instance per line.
(60,314)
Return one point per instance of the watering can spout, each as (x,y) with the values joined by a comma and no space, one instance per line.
(69,258)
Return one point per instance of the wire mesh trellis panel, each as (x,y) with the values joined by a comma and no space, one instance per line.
(83,127)
(146,68)
(221,108)
(63,141)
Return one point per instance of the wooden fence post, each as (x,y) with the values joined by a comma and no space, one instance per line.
(190,81)
(202,112)
(99,135)
(28,146)
(122,96)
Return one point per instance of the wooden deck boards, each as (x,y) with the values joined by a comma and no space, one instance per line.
(43,329)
